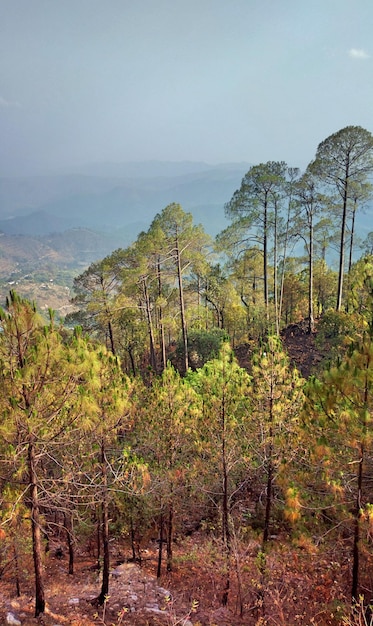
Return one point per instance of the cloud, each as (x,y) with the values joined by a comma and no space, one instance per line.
(358,53)
(9,104)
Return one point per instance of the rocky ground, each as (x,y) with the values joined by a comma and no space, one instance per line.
(134,593)
(302,584)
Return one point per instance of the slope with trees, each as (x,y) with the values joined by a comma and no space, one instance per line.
(344,162)
(140,430)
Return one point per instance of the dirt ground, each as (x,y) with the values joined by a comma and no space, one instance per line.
(300,584)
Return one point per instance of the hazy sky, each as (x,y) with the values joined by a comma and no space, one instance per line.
(206,80)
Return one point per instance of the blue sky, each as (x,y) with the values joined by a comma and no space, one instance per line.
(203,80)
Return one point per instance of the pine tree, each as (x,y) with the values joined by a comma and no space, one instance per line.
(40,405)
(255,213)
(277,400)
(184,247)
(339,411)
(343,161)
(165,432)
(224,389)
(111,398)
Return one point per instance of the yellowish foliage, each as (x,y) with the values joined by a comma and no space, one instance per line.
(292,505)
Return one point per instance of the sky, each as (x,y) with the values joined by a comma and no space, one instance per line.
(85,81)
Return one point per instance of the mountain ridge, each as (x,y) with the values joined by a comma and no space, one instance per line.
(108,203)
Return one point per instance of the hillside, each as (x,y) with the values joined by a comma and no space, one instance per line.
(53,227)
(190,594)
(109,197)
(42,268)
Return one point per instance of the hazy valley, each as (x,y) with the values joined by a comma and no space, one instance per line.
(54,226)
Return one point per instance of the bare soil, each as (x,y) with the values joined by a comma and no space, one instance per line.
(300,584)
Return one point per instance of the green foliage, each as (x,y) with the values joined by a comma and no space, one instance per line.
(343,162)
(217,449)
(277,401)
(224,389)
(203,345)
(325,285)
(339,412)
(360,295)
(336,330)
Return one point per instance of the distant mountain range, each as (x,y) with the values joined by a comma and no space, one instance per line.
(108,197)
(52,227)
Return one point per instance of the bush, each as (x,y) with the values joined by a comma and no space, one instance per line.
(336,330)
(203,345)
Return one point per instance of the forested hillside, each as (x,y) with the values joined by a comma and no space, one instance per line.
(200,426)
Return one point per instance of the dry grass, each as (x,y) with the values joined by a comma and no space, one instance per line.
(297,586)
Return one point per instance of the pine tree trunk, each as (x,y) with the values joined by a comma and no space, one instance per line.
(105,532)
(111,337)
(265,257)
(351,248)
(275,281)
(352,234)
(170,534)
(311,321)
(285,252)
(98,537)
(153,360)
(342,245)
(359,496)
(160,549)
(161,326)
(132,361)
(226,536)
(16,569)
(356,548)
(36,533)
(268,510)
(70,543)
(182,306)
(270,471)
